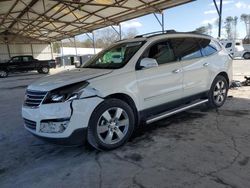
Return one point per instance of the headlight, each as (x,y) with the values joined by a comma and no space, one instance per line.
(66,93)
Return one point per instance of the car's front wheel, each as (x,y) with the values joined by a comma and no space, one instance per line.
(218,92)
(3,73)
(111,124)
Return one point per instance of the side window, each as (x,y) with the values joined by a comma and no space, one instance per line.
(186,48)
(27,58)
(16,59)
(162,52)
(228,45)
(208,48)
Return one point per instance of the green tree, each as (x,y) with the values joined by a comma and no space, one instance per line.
(205,29)
(201,30)
(246,19)
(56,47)
(230,27)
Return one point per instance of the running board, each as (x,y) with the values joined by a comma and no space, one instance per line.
(175,111)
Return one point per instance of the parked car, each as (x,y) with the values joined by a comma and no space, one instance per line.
(236,48)
(25,63)
(104,102)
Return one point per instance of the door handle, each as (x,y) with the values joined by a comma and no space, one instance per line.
(205,64)
(176,71)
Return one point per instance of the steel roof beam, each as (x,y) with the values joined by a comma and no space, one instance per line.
(33,2)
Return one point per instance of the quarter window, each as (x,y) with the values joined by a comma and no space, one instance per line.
(208,48)
(186,48)
(162,52)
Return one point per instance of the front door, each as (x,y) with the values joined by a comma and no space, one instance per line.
(163,84)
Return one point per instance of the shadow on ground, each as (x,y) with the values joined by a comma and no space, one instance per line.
(197,148)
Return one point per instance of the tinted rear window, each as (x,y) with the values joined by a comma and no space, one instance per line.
(186,48)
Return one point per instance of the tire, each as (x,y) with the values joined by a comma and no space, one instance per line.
(218,92)
(44,70)
(3,73)
(111,135)
(246,55)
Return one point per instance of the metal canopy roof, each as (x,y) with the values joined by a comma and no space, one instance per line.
(53,20)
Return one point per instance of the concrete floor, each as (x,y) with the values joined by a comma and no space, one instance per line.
(197,148)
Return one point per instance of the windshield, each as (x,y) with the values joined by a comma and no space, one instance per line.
(114,57)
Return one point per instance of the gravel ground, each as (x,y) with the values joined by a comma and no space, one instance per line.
(197,148)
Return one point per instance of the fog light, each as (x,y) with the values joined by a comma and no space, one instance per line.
(53,126)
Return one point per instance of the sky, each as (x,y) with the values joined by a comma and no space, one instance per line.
(190,16)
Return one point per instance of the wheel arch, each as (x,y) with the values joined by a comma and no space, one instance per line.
(225,75)
(126,98)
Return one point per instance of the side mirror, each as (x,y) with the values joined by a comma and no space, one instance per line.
(147,63)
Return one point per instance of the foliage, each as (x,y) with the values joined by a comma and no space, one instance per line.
(230,27)
(103,38)
(246,19)
(205,29)
(56,47)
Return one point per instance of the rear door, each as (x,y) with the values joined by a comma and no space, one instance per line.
(163,84)
(28,63)
(195,68)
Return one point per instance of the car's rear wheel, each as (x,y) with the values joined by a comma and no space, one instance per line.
(44,70)
(111,124)
(218,92)
(3,73)
(246,55)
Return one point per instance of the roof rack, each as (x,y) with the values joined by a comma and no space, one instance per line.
(147,35)
(155,33)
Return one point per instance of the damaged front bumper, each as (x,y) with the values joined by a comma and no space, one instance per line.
(60,121)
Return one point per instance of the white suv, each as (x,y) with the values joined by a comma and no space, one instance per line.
(104,101)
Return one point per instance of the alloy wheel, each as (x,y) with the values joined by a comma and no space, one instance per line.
(220,92)
(113,125)
(45,69)
(3,74)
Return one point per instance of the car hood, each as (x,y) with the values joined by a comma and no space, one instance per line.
(51,82)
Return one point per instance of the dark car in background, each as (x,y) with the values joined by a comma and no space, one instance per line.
(26,63)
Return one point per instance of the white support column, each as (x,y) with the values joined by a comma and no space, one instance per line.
(51,51)
(93,39)
(32,52)
(8,48)
(120,31)
(62,54)
(75,45)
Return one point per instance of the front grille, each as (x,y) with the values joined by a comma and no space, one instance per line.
(30,124)
(34,98)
